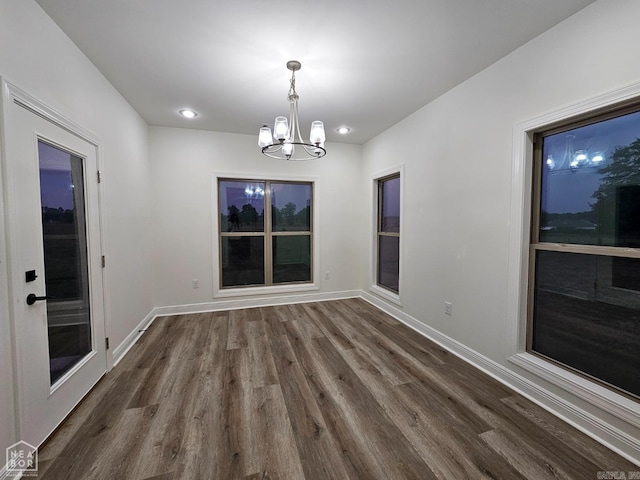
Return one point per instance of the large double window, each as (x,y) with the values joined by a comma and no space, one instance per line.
(388,233)
(584,308)
(265,232)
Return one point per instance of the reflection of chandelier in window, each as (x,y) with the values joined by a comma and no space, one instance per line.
(253,191)
(575,159)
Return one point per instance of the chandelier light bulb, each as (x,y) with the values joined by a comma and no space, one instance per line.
(597,158)
(288,149)
(281,128)
(551,162)
(264,138)
(317,135)
(580,156)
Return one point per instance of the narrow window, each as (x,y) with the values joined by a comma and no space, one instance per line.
(388,233)
(584,303)
(262,246)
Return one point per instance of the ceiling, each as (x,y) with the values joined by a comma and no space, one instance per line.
(366,64)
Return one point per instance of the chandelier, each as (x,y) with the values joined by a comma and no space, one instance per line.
(286,143)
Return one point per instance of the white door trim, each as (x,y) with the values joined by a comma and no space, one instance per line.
(11,94)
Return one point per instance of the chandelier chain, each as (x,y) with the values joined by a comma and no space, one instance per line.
(292,88)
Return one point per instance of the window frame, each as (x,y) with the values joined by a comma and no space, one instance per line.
(258,289)
(534,373)
(534,245)
(375,287)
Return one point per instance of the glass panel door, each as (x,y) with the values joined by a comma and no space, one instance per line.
(65,258)
(54,242)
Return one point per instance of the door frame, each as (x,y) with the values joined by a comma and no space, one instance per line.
(12,94)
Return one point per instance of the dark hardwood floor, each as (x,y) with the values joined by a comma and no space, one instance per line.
(313,391)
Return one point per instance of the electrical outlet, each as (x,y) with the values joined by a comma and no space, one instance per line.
(327,275)
(195,283)
(447,308)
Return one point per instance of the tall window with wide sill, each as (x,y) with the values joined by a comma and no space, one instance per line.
(584,288)
(265,233)
(388,233)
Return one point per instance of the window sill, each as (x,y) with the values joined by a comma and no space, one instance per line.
(591,392)
(386,295)
(251,291)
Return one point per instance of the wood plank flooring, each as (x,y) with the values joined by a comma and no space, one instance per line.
(330,390)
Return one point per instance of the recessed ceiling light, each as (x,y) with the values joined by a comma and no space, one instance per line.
(343,130)
(185,112)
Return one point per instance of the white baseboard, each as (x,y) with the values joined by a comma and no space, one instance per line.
(238,303)
(603,398)
(620,442)
(121,350)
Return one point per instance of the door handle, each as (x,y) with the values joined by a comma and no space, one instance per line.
(32,298)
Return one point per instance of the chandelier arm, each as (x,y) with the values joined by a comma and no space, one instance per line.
(298,123)
(293,120)
(310,149)
(567,157)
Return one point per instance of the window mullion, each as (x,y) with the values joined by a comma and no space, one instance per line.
(241,234)
(290,233)
(588,249)
(268,241)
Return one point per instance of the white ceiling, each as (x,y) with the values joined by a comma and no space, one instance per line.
(365,63)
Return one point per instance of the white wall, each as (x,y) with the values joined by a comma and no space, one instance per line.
(184,162)
(37,57)
(458,159)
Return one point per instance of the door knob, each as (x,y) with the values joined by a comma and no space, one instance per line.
(32,298)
